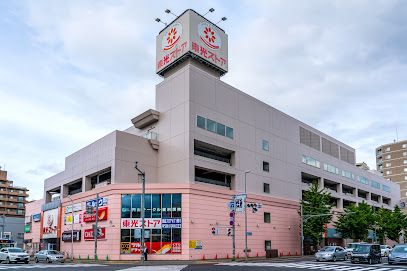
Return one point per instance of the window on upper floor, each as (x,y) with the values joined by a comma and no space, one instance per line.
(375,184)
(331,168)
(388,149)
(405,178)
(405,153)
(348,174)
(267,218)
(405,169)
(388,172)
(386,188)
(405,162)
(363,180)
(388,164)
(388,156)
(311,161)
(214,127)
(265,145)
(266,166)
(266,188)
(404,146)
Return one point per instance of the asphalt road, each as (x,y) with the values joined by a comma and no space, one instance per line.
(289,265)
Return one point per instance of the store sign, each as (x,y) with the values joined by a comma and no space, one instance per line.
(168,223)
(50,224)
(76,208)
(191,34)
(77,219)
(195,244)
(36,217)
(88,234)
(135,223)
(92,217)
(92,203)
(153,247)
(67,236)
(27,228)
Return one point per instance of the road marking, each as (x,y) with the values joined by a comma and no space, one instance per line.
(155,268)
(44,266)
(313,266)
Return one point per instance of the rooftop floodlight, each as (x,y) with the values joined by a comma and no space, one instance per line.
(158,20)
(210,10)
(169,12)
(223,19)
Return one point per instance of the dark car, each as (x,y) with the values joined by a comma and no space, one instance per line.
(398,255)
(369,253)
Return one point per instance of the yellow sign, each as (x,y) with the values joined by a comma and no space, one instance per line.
(125,247)
(195,244)
(192,243)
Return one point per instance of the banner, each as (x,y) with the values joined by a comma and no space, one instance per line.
(76,207)
(77,219)
(50,224)
(36,217)
(66,236)
(153,247)
(102,211)
(168,223)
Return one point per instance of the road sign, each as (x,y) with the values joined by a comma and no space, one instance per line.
(240,200)
(249,233)
(216,231)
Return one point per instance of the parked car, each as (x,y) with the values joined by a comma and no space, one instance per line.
(369,253)
(385,250)
(13,254)
(351,246)
(331,253)
(398,254)
(49,256)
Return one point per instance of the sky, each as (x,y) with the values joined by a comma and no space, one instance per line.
(73,71)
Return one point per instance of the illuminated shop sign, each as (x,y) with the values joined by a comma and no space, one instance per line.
(102,213)
(67,236)
(135,223)
(88,234)
(36,217)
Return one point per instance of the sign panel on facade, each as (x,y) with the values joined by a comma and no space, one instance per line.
(36,217)
(88,234)
(67,236)
(192,35)
(76,208)
(50,224)
(92,203)
(135,223)
(76,218)
(102,211)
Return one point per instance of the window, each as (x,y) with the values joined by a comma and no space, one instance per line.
(405,153)
(214,127)
(388,156)
(363,180)
(404,146)
(266,166)
(405,169)
(266,188)
(375,184)
(267,218)
(332,169)
(388,149)
(265,145)
(311,161)
(405,178)
(405,162)
(386,188)
(348,174)
(388,172)
(388,164)
(201,122)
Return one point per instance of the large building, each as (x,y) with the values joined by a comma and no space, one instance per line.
(12,211)
(199,145)
(391,161)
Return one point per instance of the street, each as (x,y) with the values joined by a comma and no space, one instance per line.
(288,265)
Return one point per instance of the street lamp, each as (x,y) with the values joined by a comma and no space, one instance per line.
(143,189)
(69,197)
(245,213)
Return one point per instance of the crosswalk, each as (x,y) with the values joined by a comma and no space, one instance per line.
(321,266)
(156,268)
(46,266)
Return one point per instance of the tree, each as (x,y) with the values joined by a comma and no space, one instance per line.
(394,224)
(316,211)
(356,221)
(382,216)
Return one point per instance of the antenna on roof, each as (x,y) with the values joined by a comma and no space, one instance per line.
(158,20)
(397,135)
(169,12)
(222,19)
(210,10)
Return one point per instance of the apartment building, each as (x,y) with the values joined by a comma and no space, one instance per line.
(198,147)
(12,211)
(391,161)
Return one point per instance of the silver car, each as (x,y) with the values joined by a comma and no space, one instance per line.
(13,254)
(49,256)
(331,253)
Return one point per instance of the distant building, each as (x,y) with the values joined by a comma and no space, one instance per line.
(363,165)
(12,211)
(391,161)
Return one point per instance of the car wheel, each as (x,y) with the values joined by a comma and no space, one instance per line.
(36,260)
(48,260)
(7,260)
(352,261)
(334,258)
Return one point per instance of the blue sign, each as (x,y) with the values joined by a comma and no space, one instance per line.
(92,203)
(36,217)
(168,223)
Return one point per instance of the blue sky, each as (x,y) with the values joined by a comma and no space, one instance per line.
(73,71)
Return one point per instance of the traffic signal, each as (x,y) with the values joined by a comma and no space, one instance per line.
(229,232)
(213,231)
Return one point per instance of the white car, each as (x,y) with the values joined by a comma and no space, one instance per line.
(13,254)
(385,250)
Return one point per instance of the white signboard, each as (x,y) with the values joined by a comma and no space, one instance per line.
(77,219)
(192,35)
(135,223)
(240,201)
(50,224)
(76,208)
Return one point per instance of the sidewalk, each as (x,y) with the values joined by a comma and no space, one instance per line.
(211,261)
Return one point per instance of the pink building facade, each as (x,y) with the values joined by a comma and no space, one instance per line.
(204,142)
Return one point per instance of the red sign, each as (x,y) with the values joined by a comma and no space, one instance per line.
(88,234)
(102,211)
(157,247)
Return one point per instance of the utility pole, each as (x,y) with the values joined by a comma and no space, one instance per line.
(95,229)
(245,214)
(143,191)
(302,233)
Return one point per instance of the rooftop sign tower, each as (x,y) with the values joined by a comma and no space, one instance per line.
(192,37)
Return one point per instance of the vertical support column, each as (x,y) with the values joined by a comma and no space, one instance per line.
(321,183)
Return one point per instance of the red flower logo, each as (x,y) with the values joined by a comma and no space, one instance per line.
(172,36)
(209,35)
